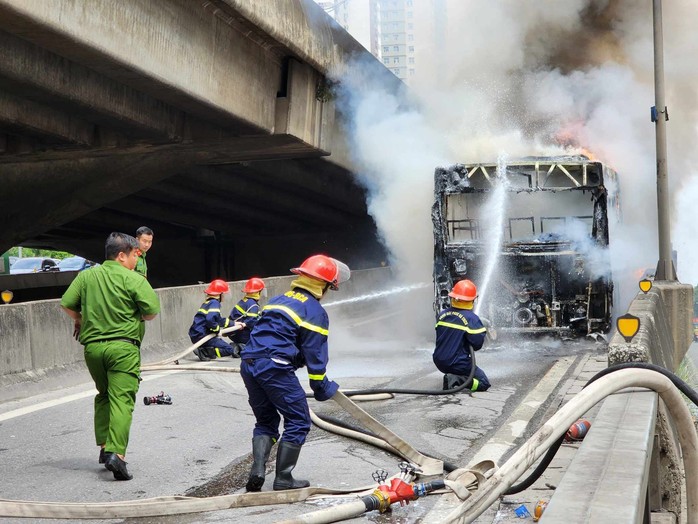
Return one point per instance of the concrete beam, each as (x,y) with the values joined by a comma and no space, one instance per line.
(241,210)
(44,121)
(224,151)
(303,28)
(242,184)
(186,57)
(40,74)
(316,178)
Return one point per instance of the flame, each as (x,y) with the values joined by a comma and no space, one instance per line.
(568,137)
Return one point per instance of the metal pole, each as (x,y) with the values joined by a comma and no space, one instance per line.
(665,266)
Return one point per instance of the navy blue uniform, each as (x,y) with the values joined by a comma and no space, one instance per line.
(208,320)
(291,333)
(247,311)
(457,330)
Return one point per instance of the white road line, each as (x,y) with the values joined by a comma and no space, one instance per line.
(63,400)
(513,428)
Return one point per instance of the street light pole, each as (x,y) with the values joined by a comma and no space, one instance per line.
(665,266)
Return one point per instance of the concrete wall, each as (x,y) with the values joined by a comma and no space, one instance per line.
(665,314)
(37,336)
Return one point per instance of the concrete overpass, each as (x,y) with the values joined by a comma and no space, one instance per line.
(212,122)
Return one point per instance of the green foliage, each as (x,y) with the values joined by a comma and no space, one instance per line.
(32,252)
(689,374)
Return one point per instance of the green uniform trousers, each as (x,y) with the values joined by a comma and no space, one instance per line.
(115,368)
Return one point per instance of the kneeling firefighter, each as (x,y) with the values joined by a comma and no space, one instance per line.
(458,329)
(291,333)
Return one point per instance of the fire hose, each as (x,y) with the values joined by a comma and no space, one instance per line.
(599,387)
(475,502)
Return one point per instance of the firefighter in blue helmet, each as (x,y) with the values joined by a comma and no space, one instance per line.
(208,321)
(246,311)
(290,333)
(458,329)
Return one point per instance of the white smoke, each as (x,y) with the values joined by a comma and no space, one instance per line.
(536,78)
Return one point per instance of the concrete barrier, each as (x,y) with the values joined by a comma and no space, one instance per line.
(37,336)
(629,463)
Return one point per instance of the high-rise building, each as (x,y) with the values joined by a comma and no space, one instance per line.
(400,33)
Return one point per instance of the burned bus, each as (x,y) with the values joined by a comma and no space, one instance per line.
(549,271)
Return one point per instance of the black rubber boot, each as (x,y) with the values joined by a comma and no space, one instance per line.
(286,458)
(261,447)
(453,381)
(200,352)
(210,353)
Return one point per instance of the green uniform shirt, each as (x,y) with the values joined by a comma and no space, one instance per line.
(112,300)
(141,266)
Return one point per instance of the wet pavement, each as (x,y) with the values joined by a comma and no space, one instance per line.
(200,445)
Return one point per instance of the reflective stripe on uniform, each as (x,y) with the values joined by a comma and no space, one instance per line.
(245,313)
(316,377)
(462,328)
(207,311)
(476,383)
(218,352)
(298,320)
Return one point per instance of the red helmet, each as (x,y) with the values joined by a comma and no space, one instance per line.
(217,287)
(464,290)
(324,268)
(253,285)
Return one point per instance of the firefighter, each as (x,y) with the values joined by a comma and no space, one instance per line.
(291,333)
(246,311)
(458,329)
(208,320)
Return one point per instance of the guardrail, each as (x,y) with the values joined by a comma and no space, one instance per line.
(628,466)
(38,335)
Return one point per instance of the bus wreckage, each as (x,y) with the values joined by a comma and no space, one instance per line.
(552,271)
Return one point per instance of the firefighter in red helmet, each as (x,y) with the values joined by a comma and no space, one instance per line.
(246,311)
(208,320)
(458,329)
(291,333)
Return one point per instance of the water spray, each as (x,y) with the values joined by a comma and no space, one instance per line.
(495,232)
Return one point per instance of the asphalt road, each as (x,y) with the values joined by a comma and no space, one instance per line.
(200,444)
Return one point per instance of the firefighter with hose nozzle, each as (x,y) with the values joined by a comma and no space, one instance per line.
(290,333)
(458,329)
(247,312)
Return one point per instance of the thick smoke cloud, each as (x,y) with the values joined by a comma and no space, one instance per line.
(535,78)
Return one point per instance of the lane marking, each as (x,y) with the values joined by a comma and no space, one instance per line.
(64,400)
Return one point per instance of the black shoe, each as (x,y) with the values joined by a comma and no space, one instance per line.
(118,467)
(261,447)
(286,458)
(201,354)
(103,456)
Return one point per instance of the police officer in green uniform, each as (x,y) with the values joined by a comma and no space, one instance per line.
(109,304)
(144,236)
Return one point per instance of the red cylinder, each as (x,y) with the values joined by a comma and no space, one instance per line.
(578,430)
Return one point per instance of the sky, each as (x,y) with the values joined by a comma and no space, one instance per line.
(532,77)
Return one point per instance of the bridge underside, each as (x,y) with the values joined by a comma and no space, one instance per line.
(201,127)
